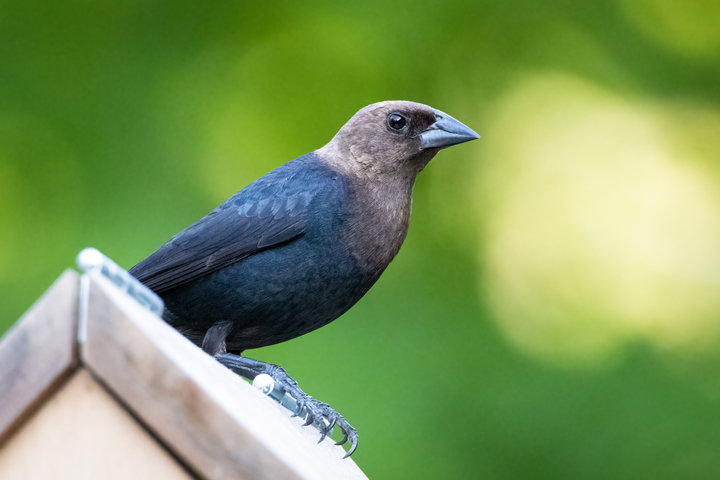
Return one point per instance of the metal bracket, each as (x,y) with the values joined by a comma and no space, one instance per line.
(92,260)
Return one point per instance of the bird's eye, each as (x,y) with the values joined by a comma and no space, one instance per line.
(396,121)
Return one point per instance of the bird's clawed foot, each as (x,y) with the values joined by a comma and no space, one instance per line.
(324,418)
(316,413)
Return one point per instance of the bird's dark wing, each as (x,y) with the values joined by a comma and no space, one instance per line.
(265,214)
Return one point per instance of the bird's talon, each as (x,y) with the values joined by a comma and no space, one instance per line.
(299,409)
(313,412)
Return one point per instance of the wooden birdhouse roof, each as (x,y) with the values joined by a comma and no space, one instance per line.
(93,385)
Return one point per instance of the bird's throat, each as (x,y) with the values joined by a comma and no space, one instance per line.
(378,222)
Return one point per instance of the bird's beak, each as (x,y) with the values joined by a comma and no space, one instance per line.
(446,132)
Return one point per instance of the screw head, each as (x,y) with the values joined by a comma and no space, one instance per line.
(264,382)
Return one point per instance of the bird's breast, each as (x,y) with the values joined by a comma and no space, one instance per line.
(377,224)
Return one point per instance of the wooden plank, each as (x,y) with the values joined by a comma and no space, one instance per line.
(81,432)
(217,423)
(38,352)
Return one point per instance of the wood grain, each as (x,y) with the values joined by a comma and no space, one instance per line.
(38,352)
(210,418)
(82,433)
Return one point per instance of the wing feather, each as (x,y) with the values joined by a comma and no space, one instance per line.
(261,216)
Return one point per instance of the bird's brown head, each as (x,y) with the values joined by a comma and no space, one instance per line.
(393,136)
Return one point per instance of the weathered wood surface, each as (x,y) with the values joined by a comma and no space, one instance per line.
(82,433)
(38,352)
(214,421)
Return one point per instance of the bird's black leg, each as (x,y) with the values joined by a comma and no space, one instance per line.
(317,413)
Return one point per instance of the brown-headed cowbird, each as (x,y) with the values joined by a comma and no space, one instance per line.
(295,249)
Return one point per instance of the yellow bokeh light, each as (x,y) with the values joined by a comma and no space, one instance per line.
(601,226)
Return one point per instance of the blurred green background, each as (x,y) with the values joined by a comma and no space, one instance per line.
(555,310)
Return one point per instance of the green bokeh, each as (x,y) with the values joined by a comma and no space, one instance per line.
(123,122)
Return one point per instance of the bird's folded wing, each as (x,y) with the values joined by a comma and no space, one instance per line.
(242,226)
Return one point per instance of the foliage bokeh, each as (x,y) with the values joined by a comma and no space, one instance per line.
(555,310)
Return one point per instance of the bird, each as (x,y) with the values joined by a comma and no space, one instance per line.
(298,247)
